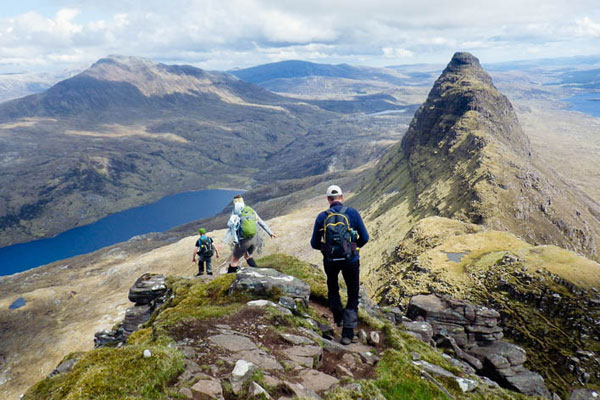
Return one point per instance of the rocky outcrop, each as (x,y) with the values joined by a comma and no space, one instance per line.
(264,281)
(474,335)
(148,292)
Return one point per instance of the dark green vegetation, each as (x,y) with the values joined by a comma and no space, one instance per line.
(123,373)
(127,131)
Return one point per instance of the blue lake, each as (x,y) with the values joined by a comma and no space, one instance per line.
(588,103)
(165,214)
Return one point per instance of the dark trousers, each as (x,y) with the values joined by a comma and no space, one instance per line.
(201,261)
(350,272)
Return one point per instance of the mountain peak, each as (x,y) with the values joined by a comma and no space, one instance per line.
(464,58)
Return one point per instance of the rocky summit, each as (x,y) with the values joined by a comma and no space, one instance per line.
(466,157)
(221,339)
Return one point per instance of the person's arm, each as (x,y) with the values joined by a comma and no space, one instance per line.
(196,250)
(363,235)
(216,250)
(264,225)
(315,240)
(232,224)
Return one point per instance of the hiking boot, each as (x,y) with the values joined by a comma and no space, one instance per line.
(232,270)
(200,274)
(209,273)
(347,336)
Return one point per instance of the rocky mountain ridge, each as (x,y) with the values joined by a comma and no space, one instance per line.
(465,156)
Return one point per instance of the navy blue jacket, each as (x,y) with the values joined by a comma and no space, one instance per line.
(355,220)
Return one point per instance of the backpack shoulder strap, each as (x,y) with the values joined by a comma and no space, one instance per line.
(343,210)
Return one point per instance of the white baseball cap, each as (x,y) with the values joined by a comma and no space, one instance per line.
(334,190)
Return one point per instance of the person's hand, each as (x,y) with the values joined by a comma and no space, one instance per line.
(217,256)
(273,236)
(193,260)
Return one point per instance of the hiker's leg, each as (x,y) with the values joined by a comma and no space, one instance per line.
(209,265)
(333,291)
(250,249)
(351,273)
(200,265)
(250,260)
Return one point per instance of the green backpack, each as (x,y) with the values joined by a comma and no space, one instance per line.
(247,223)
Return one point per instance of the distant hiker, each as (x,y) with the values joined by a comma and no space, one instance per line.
(243,233)
(204,250)
(338,233)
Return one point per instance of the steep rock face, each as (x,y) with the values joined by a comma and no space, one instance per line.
(465,156)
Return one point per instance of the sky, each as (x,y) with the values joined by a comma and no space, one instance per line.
(55,35)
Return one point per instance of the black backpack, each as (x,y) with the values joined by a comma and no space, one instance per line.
(206,247)
(337,237)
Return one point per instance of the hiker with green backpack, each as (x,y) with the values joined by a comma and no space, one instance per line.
(243,232)
(339,232)
(204,249)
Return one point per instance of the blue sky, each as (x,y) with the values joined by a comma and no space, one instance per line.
(50,35)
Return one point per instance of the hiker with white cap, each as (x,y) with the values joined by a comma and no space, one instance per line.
(339,233)
(243,233)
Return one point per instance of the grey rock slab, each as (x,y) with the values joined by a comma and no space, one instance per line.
(263,281)
(529,383)
(242,371)
(267,303)
(233,343)
(209,389)
(147,288)
(295,339)
(316,380)
(315,353)
(289,303)
(500,353)
(373,338)
(261,358)
(584,394)
(301,391)
(342,371)
(63,367)
(433,369)
(369,358)
(466,385)
(186,393)
(256,390)
(134,317)
(422,330)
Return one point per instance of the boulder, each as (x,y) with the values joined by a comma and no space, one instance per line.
(295,339)
(302,392)
(268,303)
(233,343)
(267,281)
(421,330)
(255,390)
(584,394)
(134,317)
(242,371)
(208,389)
(316,380)
(307,356)
(147,288)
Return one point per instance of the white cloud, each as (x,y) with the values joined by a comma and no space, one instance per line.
(222,34)
(393,52)
(587,27)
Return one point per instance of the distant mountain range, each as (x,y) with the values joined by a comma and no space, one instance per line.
(127,131)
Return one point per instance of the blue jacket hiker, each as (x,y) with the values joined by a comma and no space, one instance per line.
(204,249)
(339,233)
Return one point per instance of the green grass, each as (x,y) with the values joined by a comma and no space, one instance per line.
(109,373)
